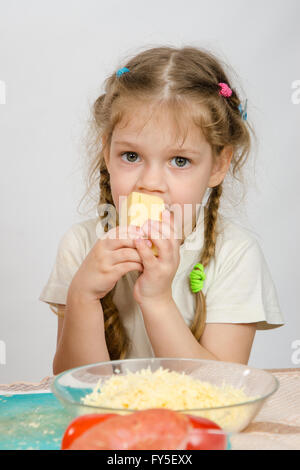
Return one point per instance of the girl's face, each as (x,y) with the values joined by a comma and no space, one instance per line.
(149,158)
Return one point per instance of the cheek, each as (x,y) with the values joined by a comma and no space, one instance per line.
(191,193)
(188,203)
(120,186)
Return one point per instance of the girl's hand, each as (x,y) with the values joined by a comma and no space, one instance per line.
(108,260)
(155,283)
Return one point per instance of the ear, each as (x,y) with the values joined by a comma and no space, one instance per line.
(220,167)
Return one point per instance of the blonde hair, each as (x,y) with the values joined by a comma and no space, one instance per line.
(185,81)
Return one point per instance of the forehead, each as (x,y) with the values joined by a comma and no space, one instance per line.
(172,123)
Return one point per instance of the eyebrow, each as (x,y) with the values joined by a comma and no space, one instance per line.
(133,144)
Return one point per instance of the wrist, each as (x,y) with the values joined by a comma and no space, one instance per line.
(84,310)
(75,296)
(156,303)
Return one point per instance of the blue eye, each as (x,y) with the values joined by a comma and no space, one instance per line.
(182,159)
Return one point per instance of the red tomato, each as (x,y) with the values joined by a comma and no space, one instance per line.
(201,439)
(81,424)
(154,429)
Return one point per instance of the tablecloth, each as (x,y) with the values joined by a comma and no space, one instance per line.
(276,427)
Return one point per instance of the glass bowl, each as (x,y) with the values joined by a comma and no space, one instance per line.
(74,384)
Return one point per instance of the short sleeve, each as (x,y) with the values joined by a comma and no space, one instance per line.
(243,290)
(70,255)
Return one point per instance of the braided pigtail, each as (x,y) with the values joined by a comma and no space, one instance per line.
(116,337)
(210,221)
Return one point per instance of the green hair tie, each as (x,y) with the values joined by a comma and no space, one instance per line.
(197,278)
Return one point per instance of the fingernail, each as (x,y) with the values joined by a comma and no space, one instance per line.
(133,228)
(149,243)
(154,223)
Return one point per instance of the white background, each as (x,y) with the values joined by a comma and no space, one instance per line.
(54,56)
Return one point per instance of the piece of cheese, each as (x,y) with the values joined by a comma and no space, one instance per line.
(137,208)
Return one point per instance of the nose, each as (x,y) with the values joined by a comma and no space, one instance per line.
(152,181)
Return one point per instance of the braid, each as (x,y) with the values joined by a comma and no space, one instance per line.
(210,221)
(104,186)
(117,340)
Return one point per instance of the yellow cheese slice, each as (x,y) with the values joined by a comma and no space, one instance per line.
(137,208)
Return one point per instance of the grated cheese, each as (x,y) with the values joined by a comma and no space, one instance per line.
(173,390)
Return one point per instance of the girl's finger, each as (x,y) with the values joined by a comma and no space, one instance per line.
(160,244)
(157,230)
(145,252)
(165,230)
(122,236)
(125,255)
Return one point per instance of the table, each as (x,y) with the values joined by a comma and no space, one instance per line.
(276,427)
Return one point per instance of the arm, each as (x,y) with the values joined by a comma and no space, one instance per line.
(234,340)
(81,333)
(81,337)
(171,337)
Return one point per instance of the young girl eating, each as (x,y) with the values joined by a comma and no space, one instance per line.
(169,124)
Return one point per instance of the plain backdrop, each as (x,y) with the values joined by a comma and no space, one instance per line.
(54,57)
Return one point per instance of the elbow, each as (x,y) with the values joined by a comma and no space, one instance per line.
(234,360)
(57,368)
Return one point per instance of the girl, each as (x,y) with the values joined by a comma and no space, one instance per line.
(169,124)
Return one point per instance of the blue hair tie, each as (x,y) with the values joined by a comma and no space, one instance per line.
(243,111)
(121,71)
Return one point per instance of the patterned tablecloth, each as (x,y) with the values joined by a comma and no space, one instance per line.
(277,425)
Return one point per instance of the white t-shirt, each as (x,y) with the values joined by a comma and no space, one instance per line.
(238,285)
